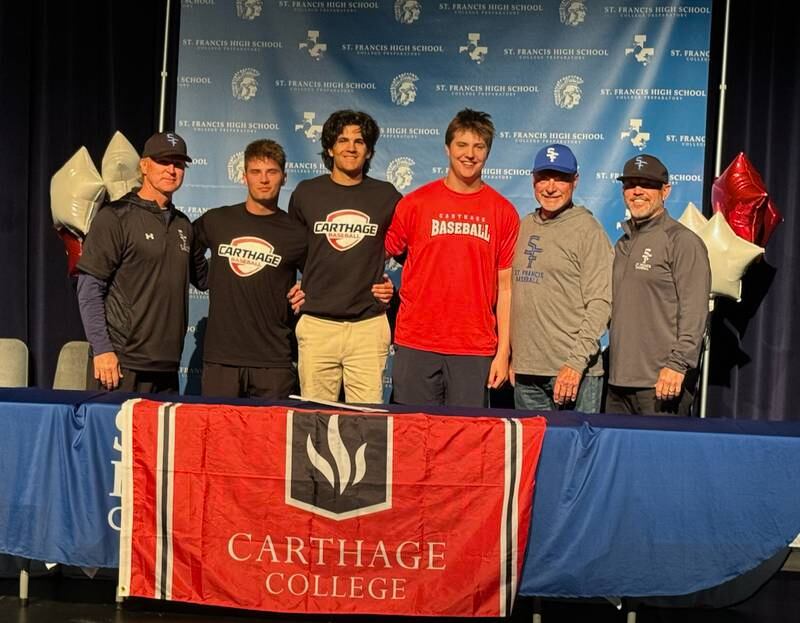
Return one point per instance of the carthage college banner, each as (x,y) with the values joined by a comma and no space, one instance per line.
(285,510)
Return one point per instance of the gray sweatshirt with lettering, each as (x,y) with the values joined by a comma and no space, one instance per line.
(561,293)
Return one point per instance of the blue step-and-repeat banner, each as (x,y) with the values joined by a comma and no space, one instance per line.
(610,79)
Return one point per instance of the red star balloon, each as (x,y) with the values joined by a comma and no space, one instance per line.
(739,193)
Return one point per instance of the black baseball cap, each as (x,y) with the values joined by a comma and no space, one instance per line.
(165,145)
(645,167)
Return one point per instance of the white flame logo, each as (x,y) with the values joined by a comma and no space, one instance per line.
(341,458)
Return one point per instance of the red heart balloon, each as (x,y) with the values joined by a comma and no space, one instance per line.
(73,246)
(740,194)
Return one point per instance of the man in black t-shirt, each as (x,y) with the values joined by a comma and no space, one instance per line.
(343,334)
(256,251)
(134,276)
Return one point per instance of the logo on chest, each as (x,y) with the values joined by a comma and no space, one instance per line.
(248,255)
(184,244)
(461,225)
(645,263)
(344,229)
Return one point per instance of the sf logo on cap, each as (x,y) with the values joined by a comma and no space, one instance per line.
(552,154)
(172,139)
(640,162)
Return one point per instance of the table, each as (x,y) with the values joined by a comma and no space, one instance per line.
(623,505)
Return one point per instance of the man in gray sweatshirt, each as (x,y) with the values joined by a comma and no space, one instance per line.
(560,294)
(661,286)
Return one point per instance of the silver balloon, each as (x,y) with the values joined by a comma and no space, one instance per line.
(76,193)
(729,256)
(693,218)
(120,167)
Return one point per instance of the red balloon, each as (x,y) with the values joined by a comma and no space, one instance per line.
(73,246)
(739,193)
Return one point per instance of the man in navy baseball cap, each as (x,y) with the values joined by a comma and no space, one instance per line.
(134,276)
(165,145)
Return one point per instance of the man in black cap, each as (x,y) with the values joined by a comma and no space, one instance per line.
(134,277)
(661,286)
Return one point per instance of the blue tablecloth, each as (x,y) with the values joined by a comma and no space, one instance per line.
(623,506)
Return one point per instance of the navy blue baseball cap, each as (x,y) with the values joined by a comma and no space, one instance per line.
(555,157)
(166,145)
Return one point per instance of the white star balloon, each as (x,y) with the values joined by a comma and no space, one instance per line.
(729,256)
(693,218)
(76,193)
(120,167)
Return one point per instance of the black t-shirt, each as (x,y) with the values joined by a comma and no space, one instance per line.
(346,226)
(254,263)
(145,259)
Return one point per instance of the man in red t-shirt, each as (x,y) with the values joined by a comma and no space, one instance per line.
(452,333)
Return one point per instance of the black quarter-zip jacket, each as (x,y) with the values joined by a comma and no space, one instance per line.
(145,260)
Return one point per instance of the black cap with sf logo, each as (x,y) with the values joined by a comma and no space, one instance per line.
(165,145)
(645,167)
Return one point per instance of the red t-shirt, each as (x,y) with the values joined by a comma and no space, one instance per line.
(456,244)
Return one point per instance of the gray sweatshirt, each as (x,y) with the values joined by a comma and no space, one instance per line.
(662,281)
(561,293)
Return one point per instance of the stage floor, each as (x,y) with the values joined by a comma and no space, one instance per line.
(66,600)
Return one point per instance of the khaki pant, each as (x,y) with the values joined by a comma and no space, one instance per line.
(332,351)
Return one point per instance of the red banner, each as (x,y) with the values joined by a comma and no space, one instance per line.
(285,510)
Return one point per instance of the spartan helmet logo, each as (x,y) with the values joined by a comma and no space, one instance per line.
(400,172)
(572,12)
(567,92)
(248,9)
(236,167)
(338,466)
(244,84)
(403,89)
(407,11)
